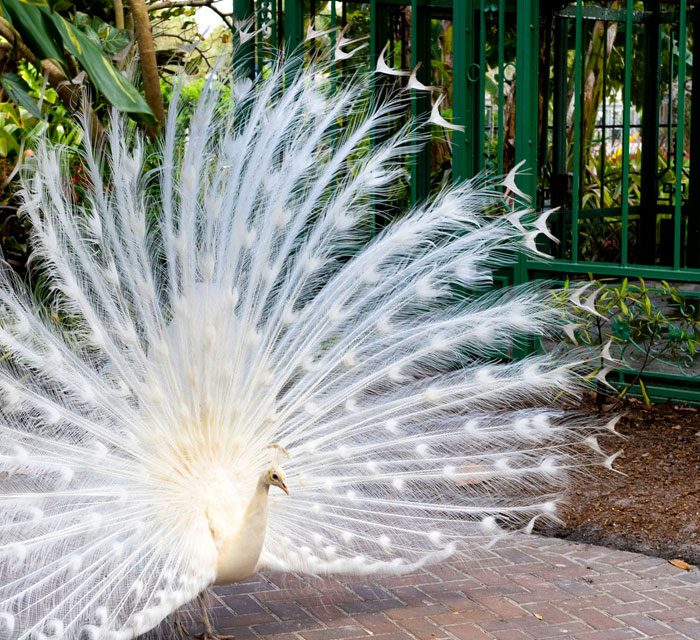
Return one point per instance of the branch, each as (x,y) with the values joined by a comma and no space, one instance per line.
(149,66)
(70,94)
(636,379)
(118,14)
(170,4)
(226,17)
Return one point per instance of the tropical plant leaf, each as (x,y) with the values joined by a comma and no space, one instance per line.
(48,34)
(118,91)
(110,39)
(29,18)
(59,5)
(7,143)
(18,90)
(645,395)
(113,40)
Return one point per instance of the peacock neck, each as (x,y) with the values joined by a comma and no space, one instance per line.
(239,552)
(256,511)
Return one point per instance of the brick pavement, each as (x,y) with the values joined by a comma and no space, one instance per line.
(526,587)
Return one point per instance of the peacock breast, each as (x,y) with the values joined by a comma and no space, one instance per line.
(238,531)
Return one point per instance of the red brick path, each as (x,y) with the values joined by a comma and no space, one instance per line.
(527,587)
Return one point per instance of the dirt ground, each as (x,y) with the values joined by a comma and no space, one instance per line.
(654,506)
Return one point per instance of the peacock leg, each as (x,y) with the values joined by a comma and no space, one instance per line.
(209,632)
(178,631)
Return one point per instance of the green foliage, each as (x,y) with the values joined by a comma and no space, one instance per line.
(19,128)
(645,323)
(22,124)
(189,94)
(105,36)
(49,35)
(101,9)
(600,238)
(18,90)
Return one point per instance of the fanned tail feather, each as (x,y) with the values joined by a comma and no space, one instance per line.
(231,299)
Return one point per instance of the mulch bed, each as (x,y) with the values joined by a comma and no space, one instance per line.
(653,507)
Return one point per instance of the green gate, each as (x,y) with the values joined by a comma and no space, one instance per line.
(594,97)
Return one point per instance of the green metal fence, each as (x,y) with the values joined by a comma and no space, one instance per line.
(595,97)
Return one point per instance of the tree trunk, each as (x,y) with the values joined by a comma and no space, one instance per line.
(593,87)
(149,67)
(593,79)
(118,14)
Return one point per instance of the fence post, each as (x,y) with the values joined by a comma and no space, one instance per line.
(526,117)
(462,141)
(560,177)
(244,53)
(526,98)
(468,100)
(420,100)
(293,24)
(680,137)
(526,105)
(626,116)
(693,202)
(649,191)
(379,35)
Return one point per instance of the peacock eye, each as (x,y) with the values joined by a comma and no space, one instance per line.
(275,476)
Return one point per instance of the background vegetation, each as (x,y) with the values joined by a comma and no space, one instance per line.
(60,58)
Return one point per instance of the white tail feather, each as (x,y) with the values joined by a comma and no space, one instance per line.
(233,302)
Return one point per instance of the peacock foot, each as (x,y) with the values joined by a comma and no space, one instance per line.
(212,635)
(209,632)
(177,629)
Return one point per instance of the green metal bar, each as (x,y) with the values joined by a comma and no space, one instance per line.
(273,35)
(373,56)
(244,53)
(333,37)
(501,81)
(627,99)
(379,34)
(669,116)
(611,269)
(526,98)
(577,131)
(604,128)
(462,27)
(680,133)
(293,25)
(693,203)
(334,23)
(526,110)
(603,212)
(374,47)
(467,91)
(312,21)
(279,25)
(259,39)
(650,136)
(662,393)
(420,100)
(479,115)
(560,176)
(544,99)
(601,13)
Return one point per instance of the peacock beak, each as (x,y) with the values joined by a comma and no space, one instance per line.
(284,488)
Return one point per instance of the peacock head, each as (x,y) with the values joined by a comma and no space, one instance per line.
(276,478)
